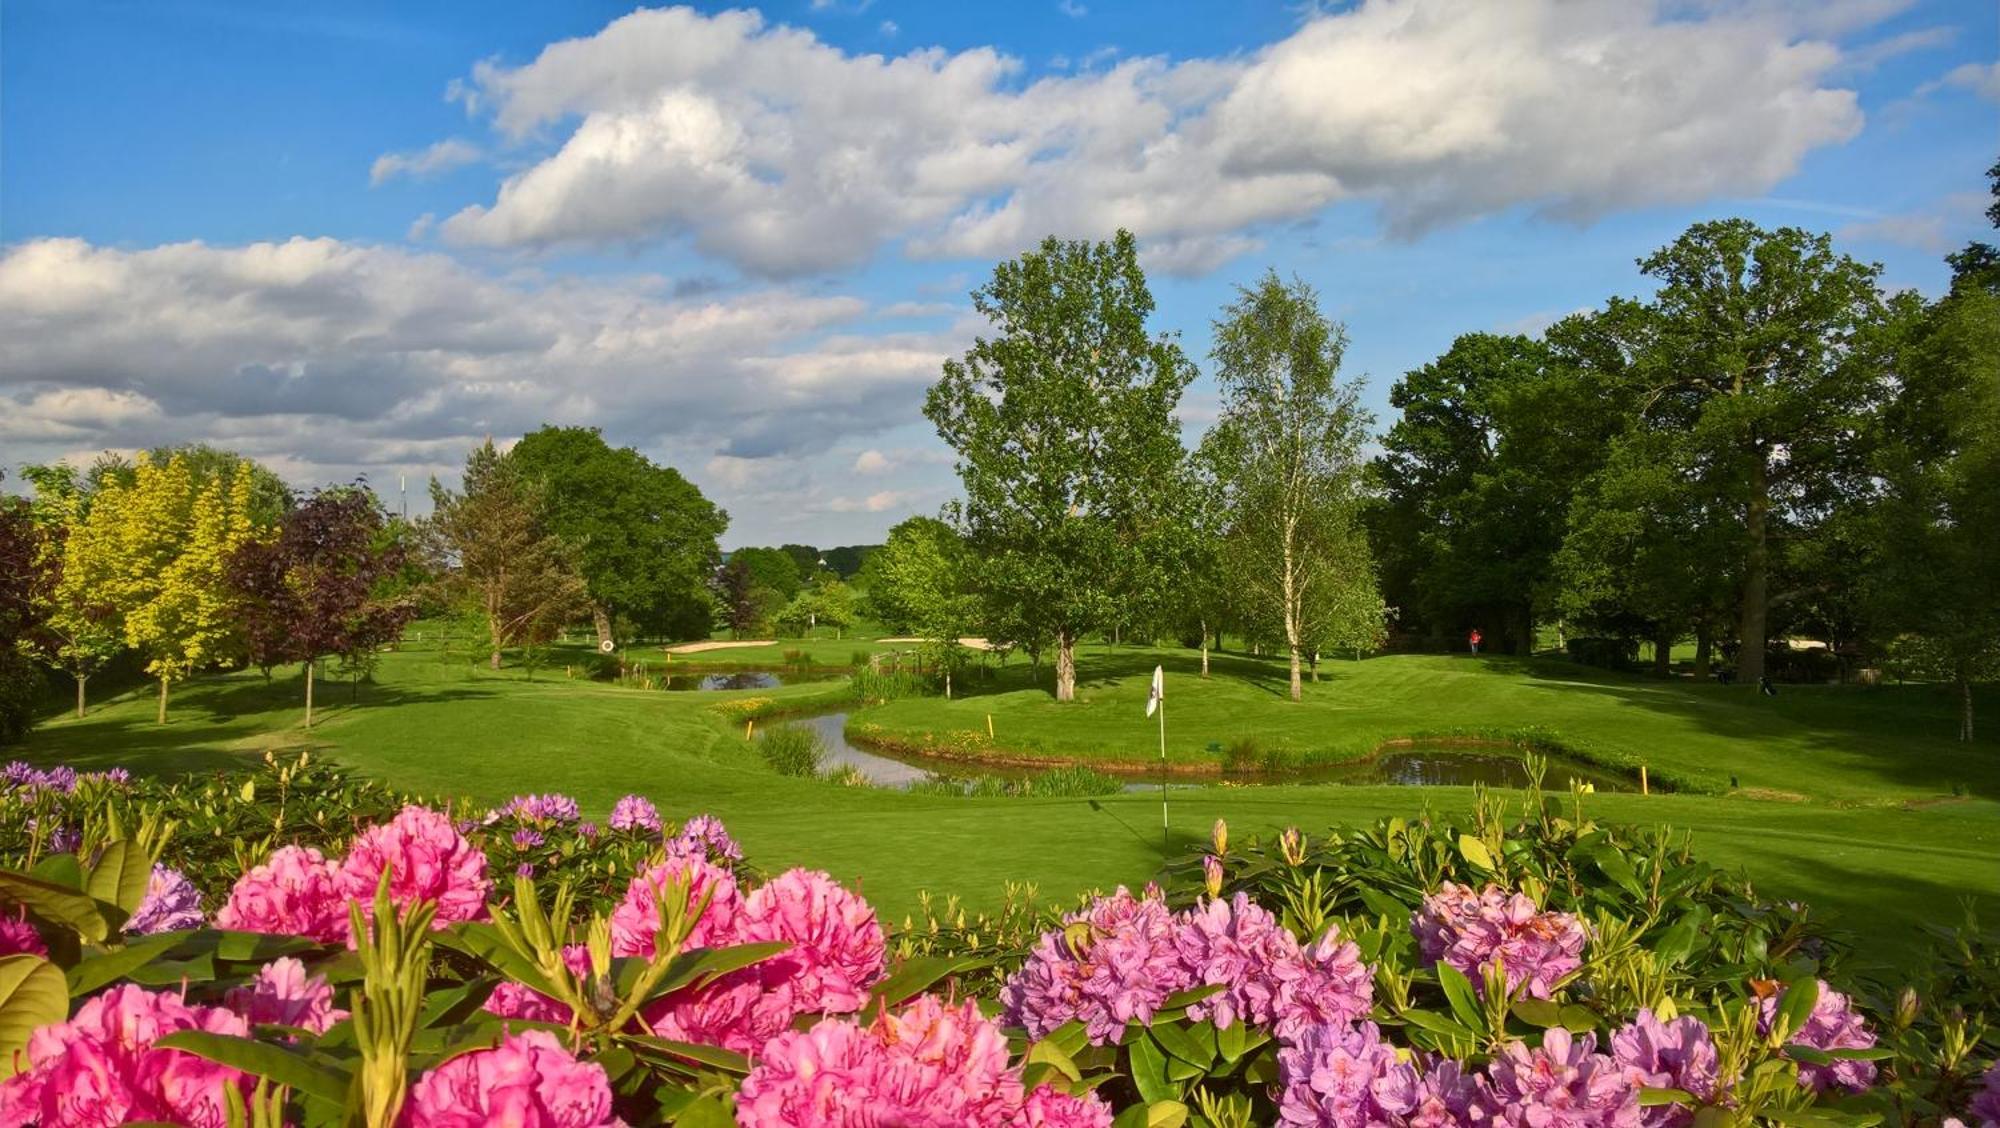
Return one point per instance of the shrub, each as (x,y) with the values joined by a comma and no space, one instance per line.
(1604,653)
(793,750)
(1242,756)
(874,684)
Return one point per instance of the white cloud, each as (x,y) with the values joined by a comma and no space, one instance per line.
(1072,9)
(442,157)
(334,357)
(882,501)
(1982,79)
(769,148)
(1936,229)
(889,28)
(872,462)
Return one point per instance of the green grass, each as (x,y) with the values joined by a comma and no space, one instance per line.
(1843,744)
(454,728)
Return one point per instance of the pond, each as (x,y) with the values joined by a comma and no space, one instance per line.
(742,679)
(1412,765)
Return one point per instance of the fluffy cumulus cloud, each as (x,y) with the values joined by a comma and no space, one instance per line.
(762,145)
(326,358)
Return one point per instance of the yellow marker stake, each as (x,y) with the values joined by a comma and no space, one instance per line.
(749,727)
(1643,788)
(989,726)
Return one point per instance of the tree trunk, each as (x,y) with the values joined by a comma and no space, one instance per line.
(601,619)
(1526,646)
(1756,579)
(947,684)
(1298,683)
(1663,653)
(1204,655)
(309,692)
(1964,707)
(81,680)
(1065,666)
(162,718)
(1704,645)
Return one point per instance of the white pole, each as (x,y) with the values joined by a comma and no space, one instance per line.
(1164,846)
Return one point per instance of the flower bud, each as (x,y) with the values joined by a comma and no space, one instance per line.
(1211,875)
(1292,845)
(1220,836)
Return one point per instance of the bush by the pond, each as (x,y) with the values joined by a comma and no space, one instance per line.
(1070,781)
(793,750)
(871,683)
(1525,966)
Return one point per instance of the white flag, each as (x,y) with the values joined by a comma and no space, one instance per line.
(1159,693)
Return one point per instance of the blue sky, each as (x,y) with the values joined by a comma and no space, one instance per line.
(352,239)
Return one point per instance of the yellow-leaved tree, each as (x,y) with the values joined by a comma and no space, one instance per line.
(153,550)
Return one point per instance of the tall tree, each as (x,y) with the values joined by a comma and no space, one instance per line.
(153,550)
(1934,586)
(316,589)
(922,579)
(739,599)
(1287,455)
(494,538)
(26,576)
(1066,441)
(1750,352)
(642,536)
(78,632)
(775,570)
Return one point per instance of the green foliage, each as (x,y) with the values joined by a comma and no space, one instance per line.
(642,537)
(792,750)
(1067,445)
(772,569)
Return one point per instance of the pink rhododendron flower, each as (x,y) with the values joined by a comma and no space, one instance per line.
(171,904)
(514,1000)
(100,1067)
(1236,943)
(295,893)
(1325,982)
(1471,930)
(1117,961)
(836,951)
(427,860)
(1333,1076)
(19,938)
(283,994)
(1563,1081)
(1048,1108)
(527,1081)
(1833,1025)
(1668,1055)
(932,1065)
(636,920)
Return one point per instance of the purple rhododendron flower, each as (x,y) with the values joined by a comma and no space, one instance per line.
(100,1067)
(294,893)
(527,839)
(172,903)
(1985,1107)
(635,812)
(1234,943)
(1833,1025)
(1117,961)
(529,1079)
(427,859)
(283,994)
(1325,982)
(19,774)
(1564,1081)
(1337,1075)
(704,836)
(1668,1055)
(1471,930)
(537,808)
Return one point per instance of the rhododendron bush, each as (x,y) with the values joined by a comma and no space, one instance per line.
(357,961)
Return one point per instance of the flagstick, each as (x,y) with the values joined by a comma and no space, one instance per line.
(1164,847)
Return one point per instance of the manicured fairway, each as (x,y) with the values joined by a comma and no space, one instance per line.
(1847,744)
(1877,846)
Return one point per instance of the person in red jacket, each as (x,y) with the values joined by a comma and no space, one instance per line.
(1474,638)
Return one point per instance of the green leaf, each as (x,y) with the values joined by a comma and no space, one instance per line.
(697,968)
(1649,1098)
(83,914)
(253,947)
(1475,852)
(282,1065)
(1801,995)
(1542,1013)
(1048,1053)
(1180,1000)
(1438,1024)
(120,875)
(1811,1055)
(96,971)
(1175,1039)
(1382,904)
(1819,1117)
(32,995)
(728,1061)
(1464,1000)
(1166,1114)
(915,976)
(61,869)
(1612,862)
(485,943)
(706,1112)
(1149,1069)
